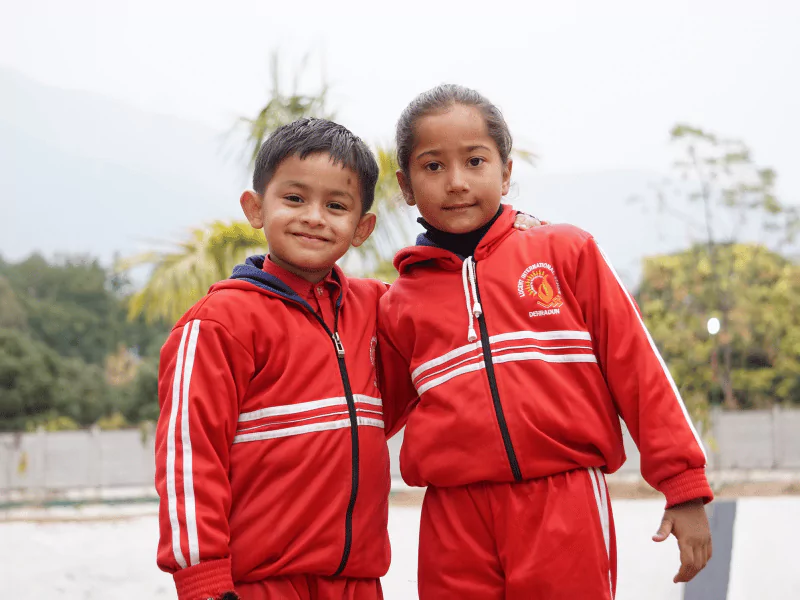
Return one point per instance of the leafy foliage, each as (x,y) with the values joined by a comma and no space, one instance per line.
(68,356)
(763,325)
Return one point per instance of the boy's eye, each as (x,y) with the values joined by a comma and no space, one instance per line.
(476,161)
(293,198)
(433,167)
(336,206)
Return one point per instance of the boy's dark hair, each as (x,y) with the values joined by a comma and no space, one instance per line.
(440,99)
(311,136)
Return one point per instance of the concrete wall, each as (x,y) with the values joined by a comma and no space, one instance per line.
(84,459)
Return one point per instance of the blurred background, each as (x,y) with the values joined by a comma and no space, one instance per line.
(670,131)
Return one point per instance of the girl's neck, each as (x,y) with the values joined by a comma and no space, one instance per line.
(463,244)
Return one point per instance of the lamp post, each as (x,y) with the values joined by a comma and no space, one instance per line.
(713,325)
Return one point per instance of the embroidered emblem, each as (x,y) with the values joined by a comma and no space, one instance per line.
(539,281)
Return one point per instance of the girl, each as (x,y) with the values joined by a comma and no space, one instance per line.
(513,354)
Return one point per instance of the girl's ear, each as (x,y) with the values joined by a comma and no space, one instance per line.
(405,187)
(507,176)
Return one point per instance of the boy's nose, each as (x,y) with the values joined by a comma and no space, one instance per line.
(313,214)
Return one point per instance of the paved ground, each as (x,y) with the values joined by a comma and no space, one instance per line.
(108,553)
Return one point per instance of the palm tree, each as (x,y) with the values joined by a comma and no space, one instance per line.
(182,273)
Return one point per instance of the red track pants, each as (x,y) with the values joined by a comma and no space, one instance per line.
(543,539)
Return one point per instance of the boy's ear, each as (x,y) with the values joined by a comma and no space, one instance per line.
(405,187)
(364,229)
(507,176)
(251,203)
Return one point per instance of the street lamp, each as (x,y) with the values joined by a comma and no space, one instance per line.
(713,326)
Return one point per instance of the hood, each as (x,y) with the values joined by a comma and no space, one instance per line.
(251,276)
(426,251)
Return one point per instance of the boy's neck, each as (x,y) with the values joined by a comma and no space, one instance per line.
(309,276)
(463,244)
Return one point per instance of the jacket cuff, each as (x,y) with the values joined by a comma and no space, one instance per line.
(689,485)
(204,581)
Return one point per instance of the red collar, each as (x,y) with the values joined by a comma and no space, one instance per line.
(333,281)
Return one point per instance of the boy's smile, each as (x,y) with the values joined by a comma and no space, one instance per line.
(310,213)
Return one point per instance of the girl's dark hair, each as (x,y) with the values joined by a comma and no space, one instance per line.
(438,100)
(309,136)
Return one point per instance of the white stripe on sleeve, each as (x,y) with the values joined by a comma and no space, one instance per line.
(188,479)
(172,499)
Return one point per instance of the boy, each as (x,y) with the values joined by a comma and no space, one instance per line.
(272,464)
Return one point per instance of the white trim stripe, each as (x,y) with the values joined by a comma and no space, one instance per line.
(172,498)
(653,347)
(503,358)
(314,427)
(291,409)
(496,353)
(445,378)
(186,443)
(326,415)
(541,336)
(601,498)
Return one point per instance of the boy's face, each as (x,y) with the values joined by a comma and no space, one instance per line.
(310,213)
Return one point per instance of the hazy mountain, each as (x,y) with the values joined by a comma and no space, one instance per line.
(83,173)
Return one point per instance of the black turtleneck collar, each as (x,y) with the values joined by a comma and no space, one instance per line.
(463,244)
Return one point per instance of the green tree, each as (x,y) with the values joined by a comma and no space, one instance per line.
(762,331)
(727,199)
(140,402)
(28,373)
(12,314)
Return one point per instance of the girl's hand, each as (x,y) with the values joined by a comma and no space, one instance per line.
(524,222)
(689,524)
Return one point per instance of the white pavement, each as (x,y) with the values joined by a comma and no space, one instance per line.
(115,559)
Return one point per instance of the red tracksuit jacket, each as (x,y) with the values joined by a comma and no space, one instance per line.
(271,457)
(522,361)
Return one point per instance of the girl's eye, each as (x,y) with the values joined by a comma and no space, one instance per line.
(433,167)
(293,198)
(476,161)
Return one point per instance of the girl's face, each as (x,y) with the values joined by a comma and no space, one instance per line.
(456,175)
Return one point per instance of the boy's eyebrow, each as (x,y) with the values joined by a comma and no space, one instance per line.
(305,187)
(341,194)
(294,183)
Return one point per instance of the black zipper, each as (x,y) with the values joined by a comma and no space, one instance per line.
(351,409)
(498,407)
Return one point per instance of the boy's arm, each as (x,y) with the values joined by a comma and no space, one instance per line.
(203,373)
(397,390)
(672,456)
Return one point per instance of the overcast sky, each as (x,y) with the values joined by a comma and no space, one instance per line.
(586,85)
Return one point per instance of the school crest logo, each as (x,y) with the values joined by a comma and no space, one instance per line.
(540,283)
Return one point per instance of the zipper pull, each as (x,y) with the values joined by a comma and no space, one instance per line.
(338,343)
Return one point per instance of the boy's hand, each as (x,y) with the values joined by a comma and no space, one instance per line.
(689,524)
(524,222)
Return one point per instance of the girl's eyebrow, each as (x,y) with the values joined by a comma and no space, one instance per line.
(478,147)
(431,152)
